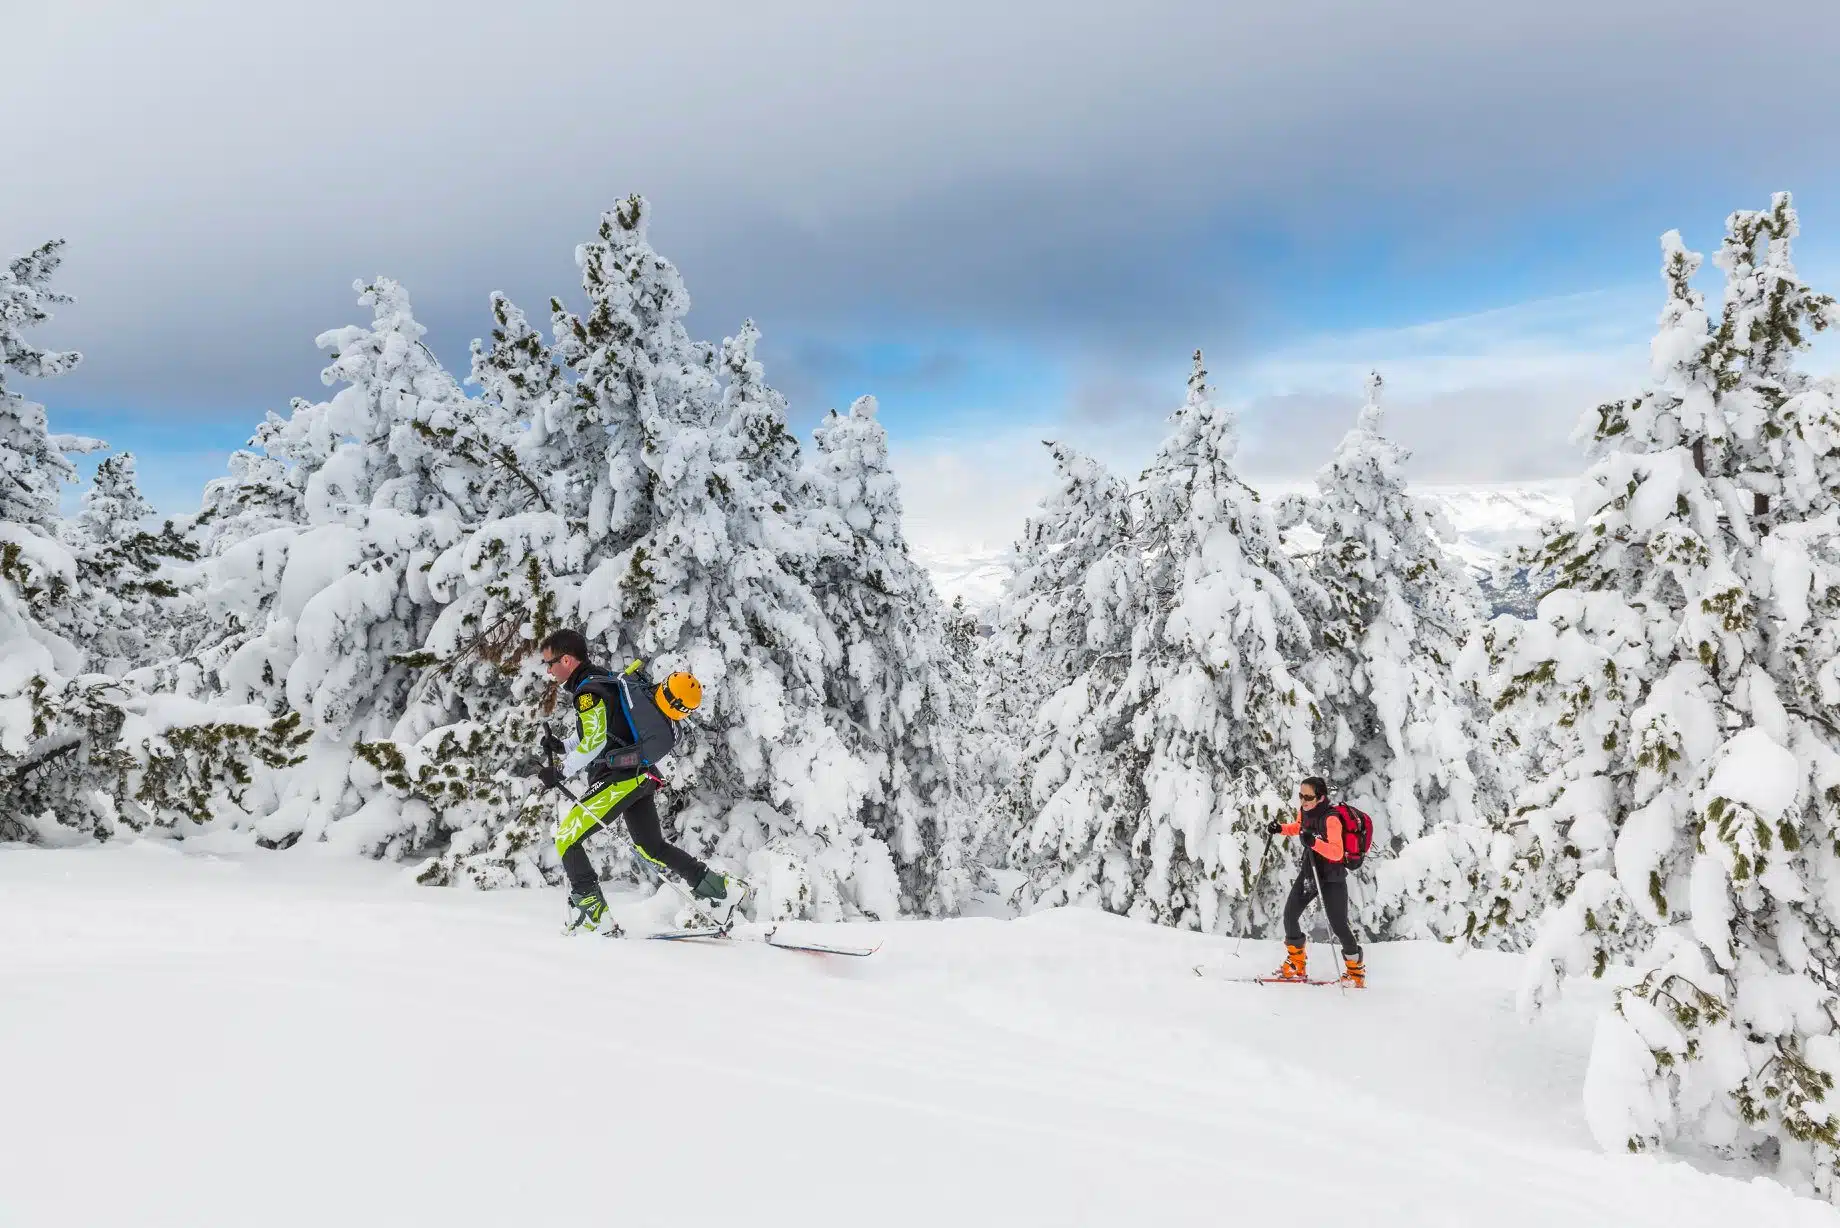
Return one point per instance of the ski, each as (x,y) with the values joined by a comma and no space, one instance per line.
(682,935)
(821,948)
(1205,975)
(713,933)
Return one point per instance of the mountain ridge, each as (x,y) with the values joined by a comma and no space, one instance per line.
(1489,519)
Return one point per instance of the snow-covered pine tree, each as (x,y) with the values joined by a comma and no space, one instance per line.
(1221,720)
(1395,734)
(723,585)
(467,745)
(135,614)
(113,509)
(678,530)
(519,375)
(905,707)
(83,752)
(326,616)
(627,355)
(1044,626)
(256,495)
(1061,659)
(533,564)
(1197,746)
(38,574)
(33,466)
(1675,694)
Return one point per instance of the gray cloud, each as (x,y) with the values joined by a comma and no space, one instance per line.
(1112,183)
(1102,399)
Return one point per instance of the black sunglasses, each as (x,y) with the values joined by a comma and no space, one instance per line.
(1308,797)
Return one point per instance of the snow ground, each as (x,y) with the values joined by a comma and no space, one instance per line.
(248,1038)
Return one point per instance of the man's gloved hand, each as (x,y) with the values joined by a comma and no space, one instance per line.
(552,745)
(1273,828)
(551,777)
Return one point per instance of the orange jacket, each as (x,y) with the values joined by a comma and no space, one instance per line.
(1327,846)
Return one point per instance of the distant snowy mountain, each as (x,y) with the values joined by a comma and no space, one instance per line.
(1490,519)
(977,576)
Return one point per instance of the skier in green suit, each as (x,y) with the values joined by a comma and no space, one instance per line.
(619,783)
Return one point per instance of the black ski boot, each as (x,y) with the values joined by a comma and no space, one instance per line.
(720,896)
(588,914)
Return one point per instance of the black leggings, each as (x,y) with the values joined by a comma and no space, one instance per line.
(641,815)
(1335,903)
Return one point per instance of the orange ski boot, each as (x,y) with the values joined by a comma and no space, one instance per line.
(1292,967)
(1354,974)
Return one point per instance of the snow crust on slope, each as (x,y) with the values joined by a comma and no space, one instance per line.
(244,1038)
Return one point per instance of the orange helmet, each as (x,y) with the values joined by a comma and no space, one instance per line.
(679,695)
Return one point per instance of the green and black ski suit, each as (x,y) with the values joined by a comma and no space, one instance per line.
(618,784)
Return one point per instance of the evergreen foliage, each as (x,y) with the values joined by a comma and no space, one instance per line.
(1674,697)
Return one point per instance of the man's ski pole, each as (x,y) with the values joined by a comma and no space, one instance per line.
(557,784)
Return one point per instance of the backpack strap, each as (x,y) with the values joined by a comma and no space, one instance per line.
(632,726)
(622,757)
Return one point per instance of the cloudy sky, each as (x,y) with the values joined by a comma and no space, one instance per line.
(1006,220)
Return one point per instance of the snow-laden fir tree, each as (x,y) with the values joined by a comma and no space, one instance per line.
(631,360)
(37,573)
(84,752)
(134,613)
(256,495)
(113,508)
(324,615)
(1059,658)
(722,585)
(520,571)
(387,564)
(1197,744)
(33,468)
(1676,694)
(904,703)
(1045,626)
(678,527)
(1394,733)
(466,746)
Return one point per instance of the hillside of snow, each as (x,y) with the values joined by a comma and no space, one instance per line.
(277,1039)
(1490,520)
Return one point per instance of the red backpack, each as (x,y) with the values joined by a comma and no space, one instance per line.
(1357,835)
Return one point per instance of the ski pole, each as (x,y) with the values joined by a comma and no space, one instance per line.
(558,786)
(1320,897)
(1252,891)
(1322,901)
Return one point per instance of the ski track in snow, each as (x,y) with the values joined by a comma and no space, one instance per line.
(295,1039)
